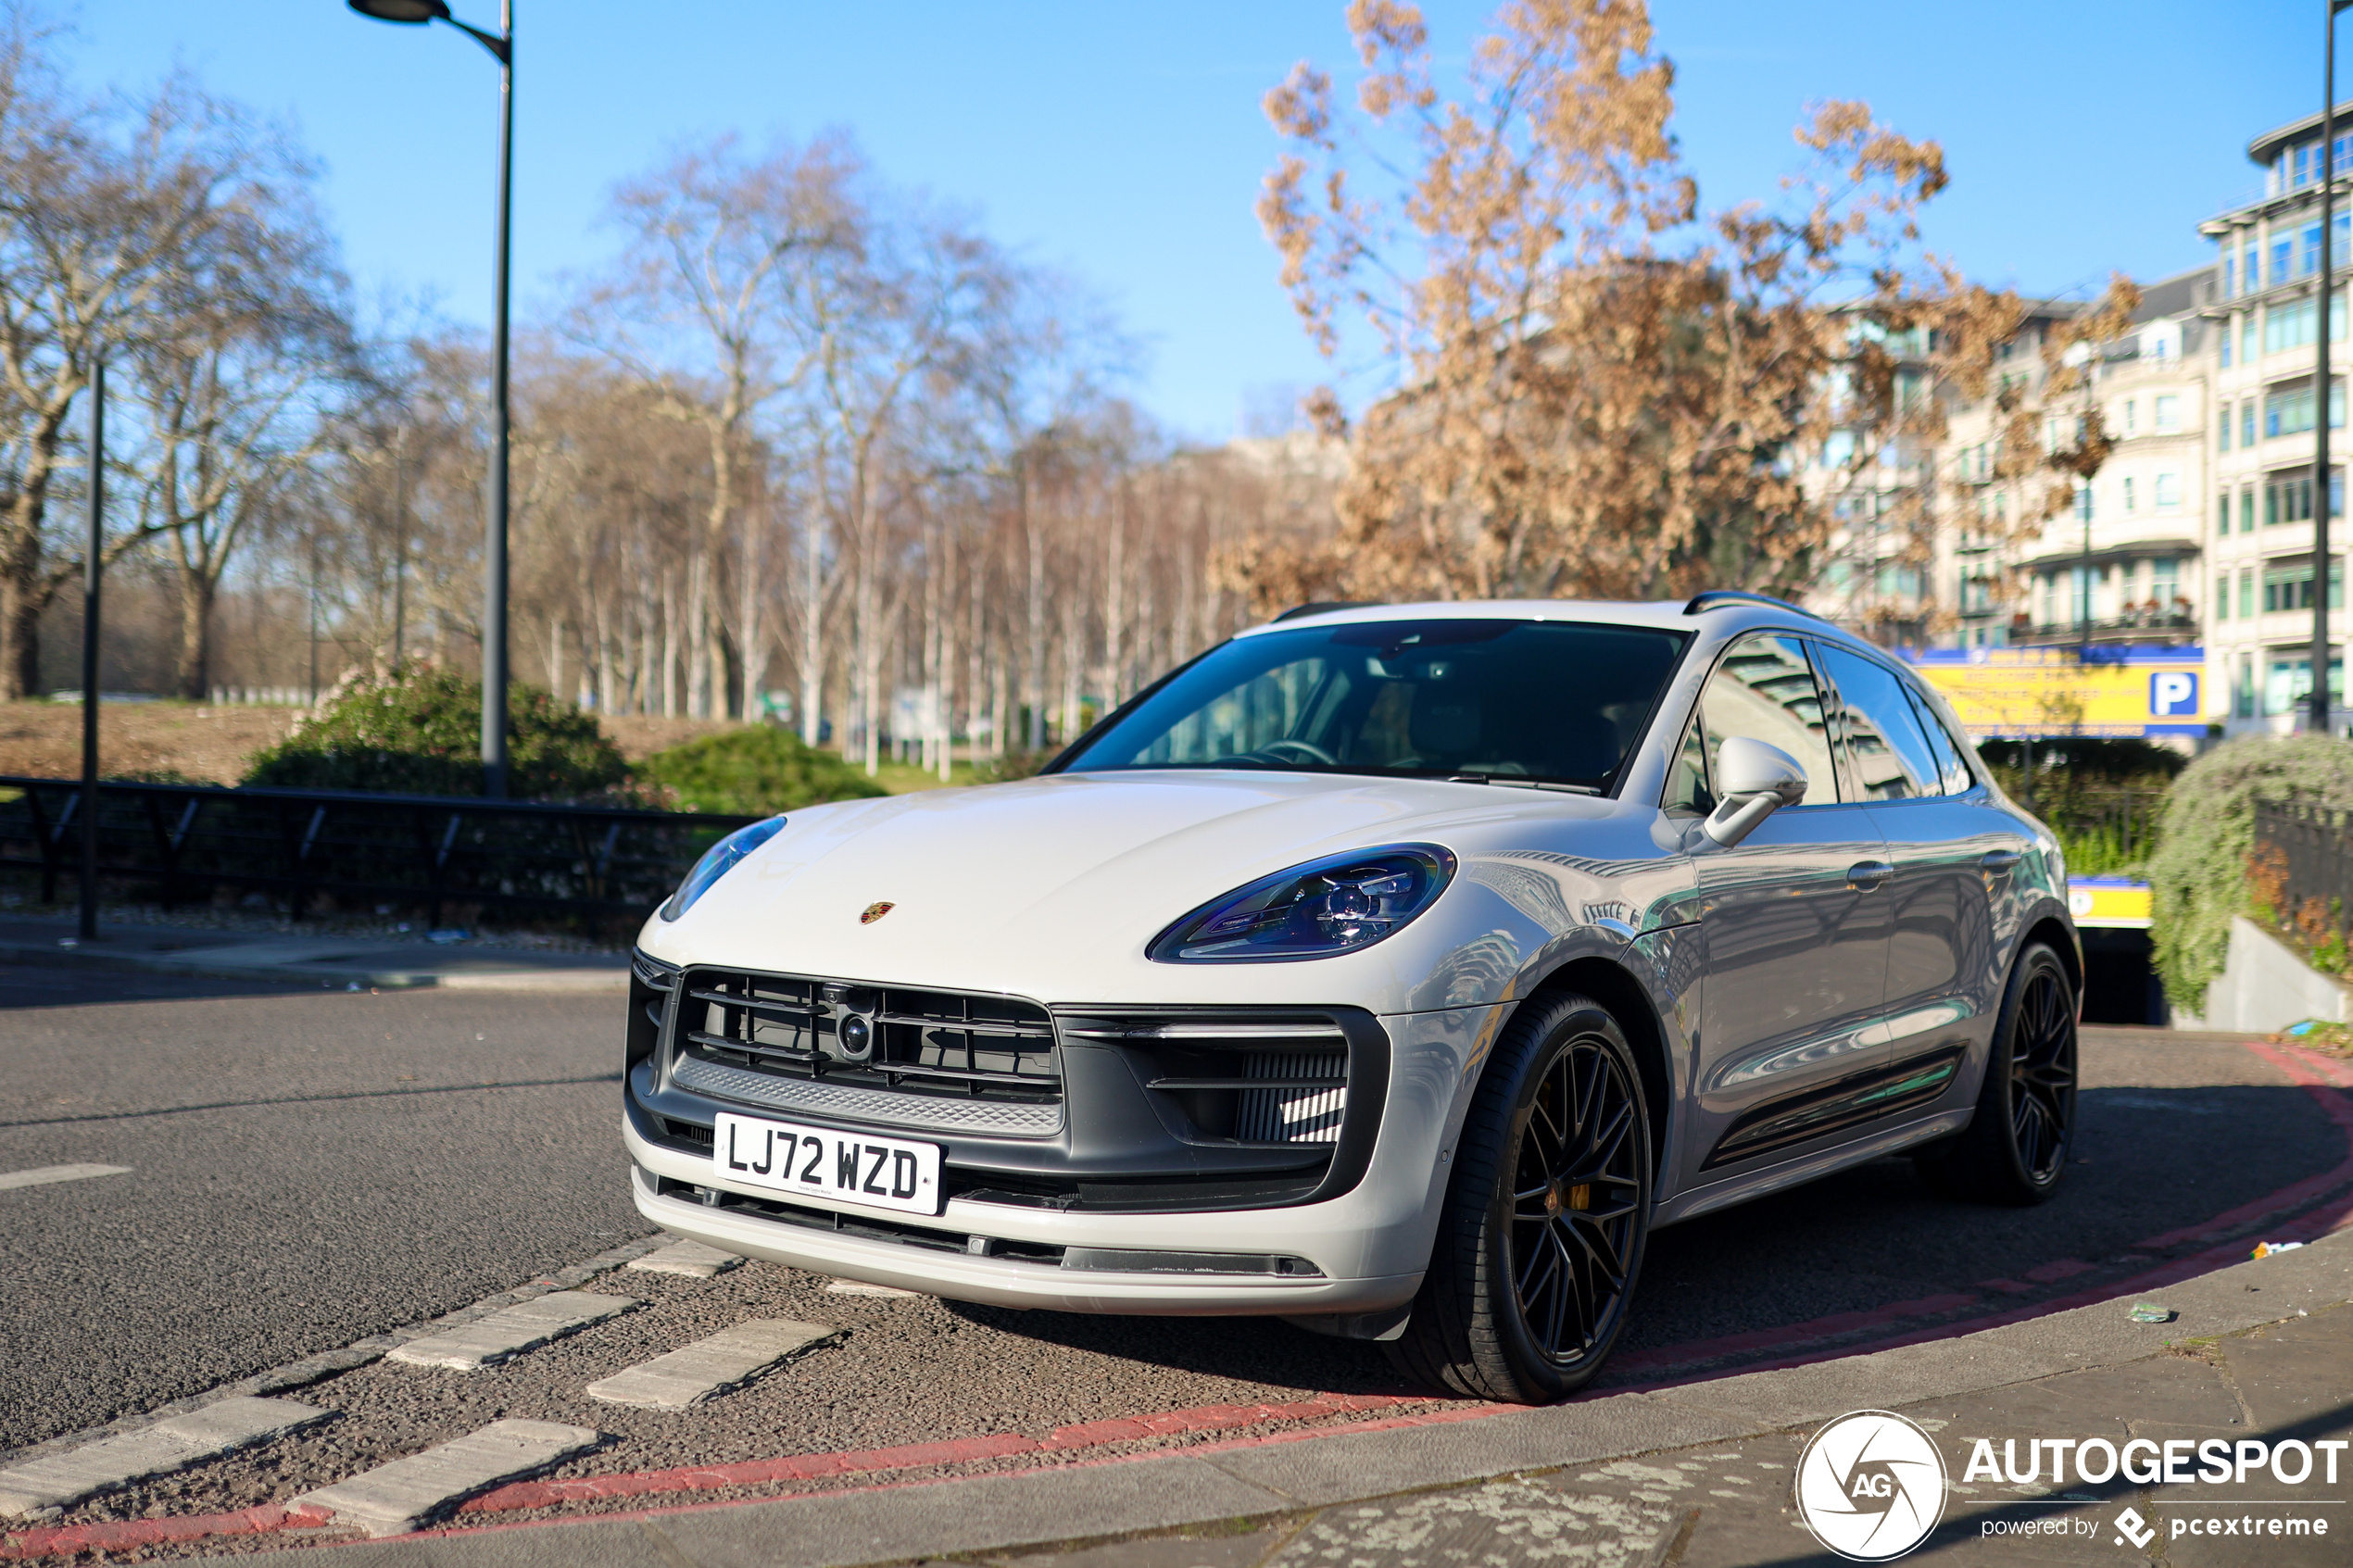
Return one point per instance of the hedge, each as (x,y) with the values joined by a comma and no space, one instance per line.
(2198,873)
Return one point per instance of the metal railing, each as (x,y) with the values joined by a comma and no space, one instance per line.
(182,843)
(2303,865)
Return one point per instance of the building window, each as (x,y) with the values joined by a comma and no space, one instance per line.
(2249,279)
(2287,497)
(2230,280)
(2128,493)
(2222,514)
(2132,415)
(2246,510)
(2246,422)
(2222,430)
(2283,260)
(2289,586)
(2167,412)
(2290,326)
(2247,593)
(2247,338)
(2222,596)
(2168,491)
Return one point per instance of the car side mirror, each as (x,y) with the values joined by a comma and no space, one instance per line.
(1753,782)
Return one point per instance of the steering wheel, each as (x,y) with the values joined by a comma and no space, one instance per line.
(1296,750)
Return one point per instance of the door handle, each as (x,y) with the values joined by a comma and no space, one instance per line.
(1864,875)
(2001,862)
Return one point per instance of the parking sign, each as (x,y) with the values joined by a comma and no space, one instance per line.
(2173,693)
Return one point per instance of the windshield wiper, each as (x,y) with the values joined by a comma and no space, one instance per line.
(1513,782)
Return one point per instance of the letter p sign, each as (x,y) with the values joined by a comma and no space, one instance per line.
(2173,694)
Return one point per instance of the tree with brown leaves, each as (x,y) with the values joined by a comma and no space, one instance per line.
(1600,393)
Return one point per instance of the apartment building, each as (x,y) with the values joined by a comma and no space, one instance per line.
(2265,321)
(2122,566)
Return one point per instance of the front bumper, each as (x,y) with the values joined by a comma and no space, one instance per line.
(1013,1282)
(1361,1251)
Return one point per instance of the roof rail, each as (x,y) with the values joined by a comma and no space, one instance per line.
(1720,598)
(1318,607)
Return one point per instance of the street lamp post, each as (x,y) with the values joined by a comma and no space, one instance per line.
(501,44)
(2321,399)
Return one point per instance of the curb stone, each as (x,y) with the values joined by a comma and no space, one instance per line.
(195,964)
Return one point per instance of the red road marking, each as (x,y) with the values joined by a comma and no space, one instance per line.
(914,1456)
(2057,1270)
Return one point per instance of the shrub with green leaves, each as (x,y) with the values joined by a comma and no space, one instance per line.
(2200,871)
(419,732)
(759,769)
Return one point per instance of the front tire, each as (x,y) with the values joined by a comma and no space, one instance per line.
(1543,1233)
(2014,1150)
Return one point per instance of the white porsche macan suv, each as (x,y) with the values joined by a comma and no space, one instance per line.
(1393,969)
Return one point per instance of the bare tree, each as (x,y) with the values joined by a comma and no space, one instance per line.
(113,218)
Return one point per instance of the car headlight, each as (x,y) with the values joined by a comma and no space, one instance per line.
(1335,905)
(717,862)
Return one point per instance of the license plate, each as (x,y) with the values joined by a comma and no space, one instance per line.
(820,1162)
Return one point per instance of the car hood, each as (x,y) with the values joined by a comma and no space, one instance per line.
(1052,888)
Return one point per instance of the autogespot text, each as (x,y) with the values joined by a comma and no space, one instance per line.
(2174,1462)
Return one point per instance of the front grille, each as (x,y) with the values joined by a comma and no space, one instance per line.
(782,1036)
(825,1097)
(1255,1080)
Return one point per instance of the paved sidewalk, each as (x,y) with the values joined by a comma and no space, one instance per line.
(363,961)
(1690,1475)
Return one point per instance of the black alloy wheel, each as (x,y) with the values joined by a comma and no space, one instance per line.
(2043,1076)
(1576,1188)
(2015,1148)
(1542,1237)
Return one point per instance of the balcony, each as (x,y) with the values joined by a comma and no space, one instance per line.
(2171,625)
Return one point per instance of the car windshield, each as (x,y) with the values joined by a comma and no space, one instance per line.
(1541,701)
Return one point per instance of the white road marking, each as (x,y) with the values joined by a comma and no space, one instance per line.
(709,1367)
(511,1331)
(690,1258)
(43,1173)
(59,1480)
(394,1498)
(860,1287)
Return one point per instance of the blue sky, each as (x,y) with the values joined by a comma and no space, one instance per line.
(1123,143)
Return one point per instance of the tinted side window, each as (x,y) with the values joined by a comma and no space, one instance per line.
(1763,688)
(1884,742)
(1948,756)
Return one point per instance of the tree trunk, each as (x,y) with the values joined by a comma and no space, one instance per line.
(194,676)
(699,635)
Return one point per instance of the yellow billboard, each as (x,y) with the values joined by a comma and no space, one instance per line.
(2016,692)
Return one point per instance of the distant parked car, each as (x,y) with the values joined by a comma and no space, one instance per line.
(1394,970)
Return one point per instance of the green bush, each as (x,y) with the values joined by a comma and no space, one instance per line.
(2199,870)
(419,732)
(2102,797)
(759,769)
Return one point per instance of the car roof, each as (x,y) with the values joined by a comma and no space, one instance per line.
(1717,621)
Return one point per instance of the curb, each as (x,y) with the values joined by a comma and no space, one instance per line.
(599,981)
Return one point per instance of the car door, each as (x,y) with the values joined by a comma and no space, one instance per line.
(1950,849)
(1796,925)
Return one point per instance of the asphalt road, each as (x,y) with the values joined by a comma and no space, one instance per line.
(307,1168)
(311,1167)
